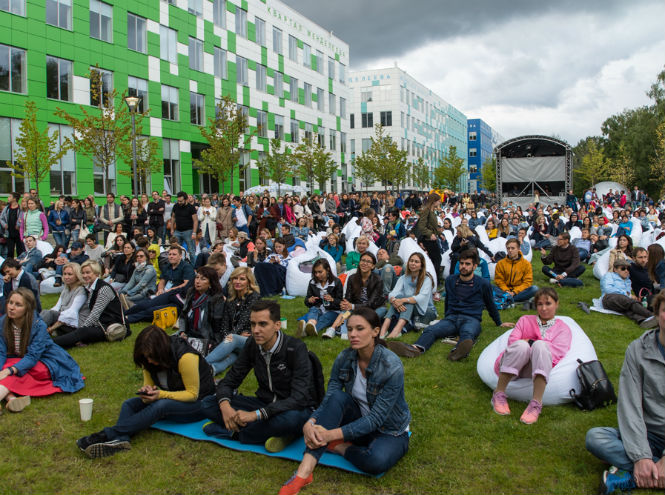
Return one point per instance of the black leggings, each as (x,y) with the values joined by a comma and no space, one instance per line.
(434,252)
(87,335)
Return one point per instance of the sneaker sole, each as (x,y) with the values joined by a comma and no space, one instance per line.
(402,349)
(310,330)
(18,404)
(300,332)
(462,350)
(326,336)
(507,413)
(98,450)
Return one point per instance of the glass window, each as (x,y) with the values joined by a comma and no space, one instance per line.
(101,84)
(13,6)
(138,87)
(195,54)
(333,140)
(342,142)
(168,40)
(319,62)
(196,108)
(331,68)
(241,22)
(262,123)
(59,13)
(277,41)
(352,121)
(58,79)
(244,110)
(12,69)
(241,67)
(387,119)
(306,55)
(367,119)
(293,48)
(9,130)
(260,31)
(169,102)
(366,144)
(63,173)
(220,63)
(279,84)
(342,72)
(320,100)
(103,179)
(243,171)
(136,33)
(195,7)
(308,94)
(279,127)
(101,21)
(295,131)
(219,13)
(171,154)
(308,132)
(473,152)
(472,136)
(331,103)
(321,137)
(261,78)
(293,89)
(365,96)
(342,107)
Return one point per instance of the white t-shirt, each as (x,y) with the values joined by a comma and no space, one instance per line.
(359,392)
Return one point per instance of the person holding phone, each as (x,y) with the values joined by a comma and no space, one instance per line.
(175,380)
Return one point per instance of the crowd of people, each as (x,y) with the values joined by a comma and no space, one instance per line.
(383,261)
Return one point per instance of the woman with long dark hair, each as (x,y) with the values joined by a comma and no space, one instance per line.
(427,230)
(324,294)
(175,380)
(623,250)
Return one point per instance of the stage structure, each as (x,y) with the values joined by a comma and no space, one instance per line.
(533,168)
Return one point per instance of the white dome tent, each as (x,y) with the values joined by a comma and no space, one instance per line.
(602,188)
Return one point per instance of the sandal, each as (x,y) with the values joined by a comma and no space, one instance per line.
(18,403)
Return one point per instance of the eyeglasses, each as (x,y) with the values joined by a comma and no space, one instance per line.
(365,261)
(623,268)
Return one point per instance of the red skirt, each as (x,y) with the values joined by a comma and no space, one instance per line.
(35,383)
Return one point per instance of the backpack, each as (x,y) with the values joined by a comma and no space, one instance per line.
(317,375)
(596,389)
(502,300)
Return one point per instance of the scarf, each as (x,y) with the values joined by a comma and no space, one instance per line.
(194,315)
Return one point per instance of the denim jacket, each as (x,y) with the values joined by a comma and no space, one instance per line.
(389,412)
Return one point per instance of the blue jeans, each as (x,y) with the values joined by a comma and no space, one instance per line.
(185,240)
(288,423)
(571,280)
(60,238)
(373,453)
(388,276)
(605,443)
(584,254)
(225,354)
(525,295)
(144,310)
(135,415)
(323,320)
(464,326)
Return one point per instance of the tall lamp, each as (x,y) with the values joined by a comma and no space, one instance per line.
(133,104)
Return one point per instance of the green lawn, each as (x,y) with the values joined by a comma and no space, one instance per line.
(458,445)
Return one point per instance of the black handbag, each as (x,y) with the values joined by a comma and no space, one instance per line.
(596,389)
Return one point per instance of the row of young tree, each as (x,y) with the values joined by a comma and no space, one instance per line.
(631,149)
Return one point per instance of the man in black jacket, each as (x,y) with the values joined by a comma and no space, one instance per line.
(285,397)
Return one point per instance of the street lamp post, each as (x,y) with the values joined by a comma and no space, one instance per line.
(133,104)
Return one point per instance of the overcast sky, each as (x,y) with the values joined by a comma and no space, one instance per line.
(523,66)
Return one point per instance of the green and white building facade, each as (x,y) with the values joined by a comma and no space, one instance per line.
(180,56)
(415,117)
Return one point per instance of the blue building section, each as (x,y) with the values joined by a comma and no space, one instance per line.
(481,139)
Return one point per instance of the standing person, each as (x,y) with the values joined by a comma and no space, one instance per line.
(156,211)
(76,219)
(32,364)
(109,215)
(566,259)
(207,215)
(466,295)
(242,215)
(34,222)
(59,223)
(185,223)
(224,218)
(364,416)
(11,220)
(427,231)
(635,449)
(175,380)
(135,217)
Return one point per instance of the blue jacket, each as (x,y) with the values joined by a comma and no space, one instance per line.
(335,252)
(613,283)
(471,306)
(660,274)
(53,217)
(65,373)
(388,410)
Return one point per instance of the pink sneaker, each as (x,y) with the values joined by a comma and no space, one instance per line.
(500,403)
(531,413)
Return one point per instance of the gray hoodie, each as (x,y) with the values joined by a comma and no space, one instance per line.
(641,405)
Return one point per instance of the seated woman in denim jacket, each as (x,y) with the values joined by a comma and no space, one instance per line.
(143,281)
(364,415)
(411,297)
(324,295)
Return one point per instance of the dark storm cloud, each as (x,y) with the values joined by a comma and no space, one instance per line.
(387,28)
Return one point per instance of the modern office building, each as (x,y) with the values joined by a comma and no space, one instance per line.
(180,56)
(482,141)
(420,121)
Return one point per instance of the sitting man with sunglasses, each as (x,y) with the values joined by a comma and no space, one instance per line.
(616,296)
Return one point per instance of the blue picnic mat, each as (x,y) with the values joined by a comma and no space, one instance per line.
(293,452)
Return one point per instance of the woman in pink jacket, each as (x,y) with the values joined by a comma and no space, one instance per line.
(535,346)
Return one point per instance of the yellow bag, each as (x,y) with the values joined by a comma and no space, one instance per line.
(165,318)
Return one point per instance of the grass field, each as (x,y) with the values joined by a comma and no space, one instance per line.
(458,445)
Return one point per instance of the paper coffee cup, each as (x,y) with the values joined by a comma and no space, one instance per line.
(85,405)
(283,320)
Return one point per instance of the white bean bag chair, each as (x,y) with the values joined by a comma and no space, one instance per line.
(46,287)
(351,229)
(575,233)
(445,263)
(496,245)
(44,247)
(350,246)
(407,247)
(602,266)
(455,221)
(482,234)
(648,238)
(348,274)
(562,378)
(314,241)
(636,231)
(299,272)
(449,237)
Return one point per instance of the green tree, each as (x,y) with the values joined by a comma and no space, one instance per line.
(37,150)
(313,163)
(421,175)
(364,170)
(593,166)
(383,161)
(323,167)
(228,138)
(450,170)
(148,159)
(621,170)
(658,162)
(488,174)
(278,165)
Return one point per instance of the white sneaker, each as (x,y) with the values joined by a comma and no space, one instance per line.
(554,281)
(344,336)
(328,334)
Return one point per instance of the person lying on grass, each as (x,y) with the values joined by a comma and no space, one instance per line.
(286,393)
(324,295)
(364,416)
(32,364)
(175,379)
(535,346)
